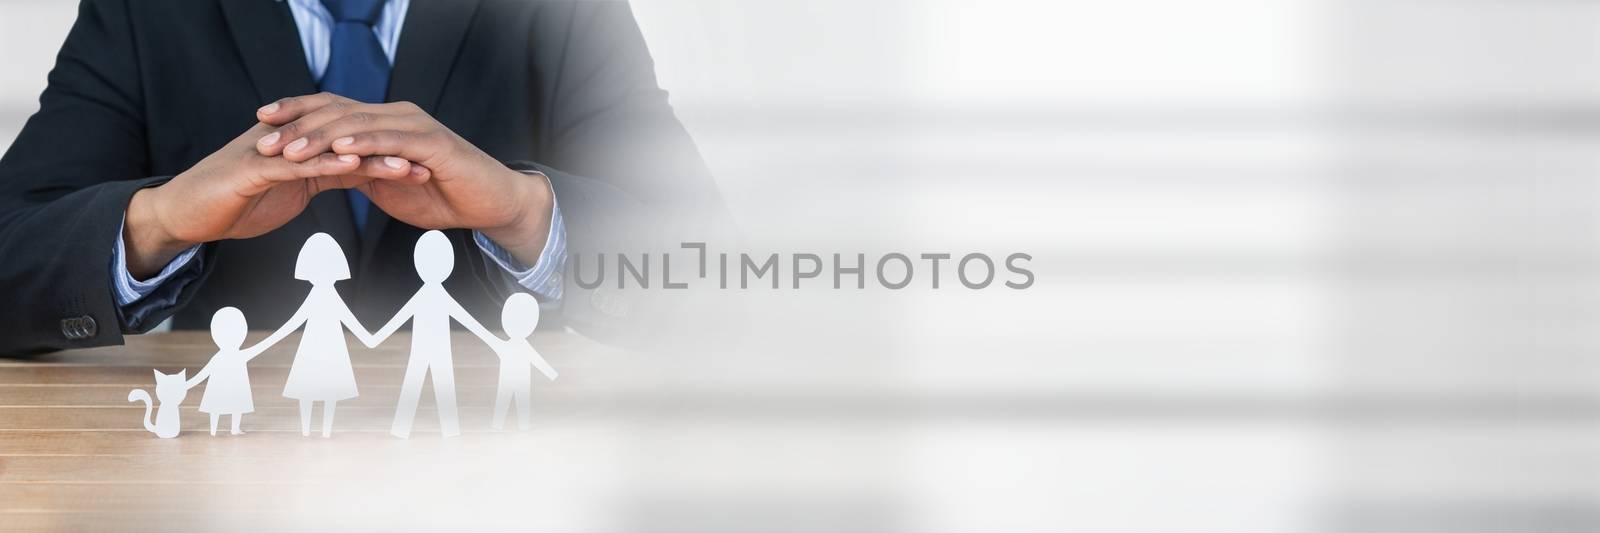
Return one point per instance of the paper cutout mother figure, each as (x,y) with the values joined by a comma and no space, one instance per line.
(321,370)
(430,311)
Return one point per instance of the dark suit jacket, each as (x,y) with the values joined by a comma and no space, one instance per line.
(142,90)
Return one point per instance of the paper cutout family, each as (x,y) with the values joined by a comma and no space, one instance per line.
(321,371)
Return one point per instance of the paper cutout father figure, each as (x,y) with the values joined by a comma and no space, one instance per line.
(157,179)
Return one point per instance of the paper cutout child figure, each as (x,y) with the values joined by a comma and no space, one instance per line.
(321,370)
(430,311)
(519,318)
(226,376)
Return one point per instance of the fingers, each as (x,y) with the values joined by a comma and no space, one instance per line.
(322,165)
(255,132)
(309,133)
(287,109)
(271,171)
(325,165)
(390,168)
(320,139)
(325,137)
(289,135)
(333,171)
(408,145)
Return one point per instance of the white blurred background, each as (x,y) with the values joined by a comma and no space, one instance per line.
(1302,265)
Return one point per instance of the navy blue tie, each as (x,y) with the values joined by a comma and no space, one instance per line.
(357,68)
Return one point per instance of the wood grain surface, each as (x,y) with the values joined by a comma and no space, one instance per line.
(74,454)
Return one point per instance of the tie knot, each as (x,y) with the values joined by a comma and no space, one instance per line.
(362,11)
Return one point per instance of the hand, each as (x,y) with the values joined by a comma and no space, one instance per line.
(467,188)
(366,338)
(237,193)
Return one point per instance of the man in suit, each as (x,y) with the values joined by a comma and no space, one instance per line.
(182,153)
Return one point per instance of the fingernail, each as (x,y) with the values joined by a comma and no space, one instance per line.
(345,141)
(349,158)
(297,145)
(268,139)
(394,162)
(269,109)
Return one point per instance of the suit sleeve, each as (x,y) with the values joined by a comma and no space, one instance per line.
(627,174)
(610,121)
(64,186)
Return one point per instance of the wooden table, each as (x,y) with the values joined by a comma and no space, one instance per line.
(623,441)
(74,454)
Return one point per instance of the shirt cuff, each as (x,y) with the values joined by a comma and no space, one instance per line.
(545,276)
(129,290)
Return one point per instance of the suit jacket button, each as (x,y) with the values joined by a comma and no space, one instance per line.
(90,328)
(69,328)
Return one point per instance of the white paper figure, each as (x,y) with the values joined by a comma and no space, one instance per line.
(519,318)
(321,370)
(430,311)
(226,376)
(170,391)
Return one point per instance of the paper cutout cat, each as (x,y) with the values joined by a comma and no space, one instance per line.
(171,389)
